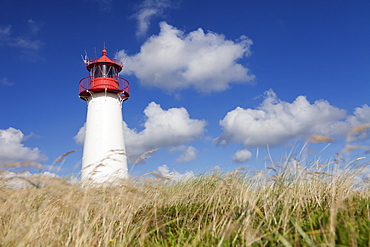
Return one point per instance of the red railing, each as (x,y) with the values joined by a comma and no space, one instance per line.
(113,84)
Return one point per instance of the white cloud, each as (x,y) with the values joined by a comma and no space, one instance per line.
(5,35)
(34,26)
(188,153)
(25,178)
(361,115)
(5,81)
(149,9)
(5,31)
(24,42)
(276,122)
(162,128)
(12,149)
(242,156)
(80,137)
(174,176)
(173,61)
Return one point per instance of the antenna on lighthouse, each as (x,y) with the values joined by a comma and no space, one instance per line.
(85,58)
(116,54)
(124,60)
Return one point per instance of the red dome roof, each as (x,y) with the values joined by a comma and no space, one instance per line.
(104,59)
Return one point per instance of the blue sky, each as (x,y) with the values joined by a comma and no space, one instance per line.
(211,82)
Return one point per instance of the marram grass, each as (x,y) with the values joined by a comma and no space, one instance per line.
(287,207)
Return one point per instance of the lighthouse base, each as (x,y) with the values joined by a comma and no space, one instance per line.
(104,155)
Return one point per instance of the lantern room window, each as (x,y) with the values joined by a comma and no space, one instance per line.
(104,70)
(112,71)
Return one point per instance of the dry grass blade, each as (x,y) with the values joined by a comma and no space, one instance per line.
(24,164)
(360,128)
(353,147)
(144,157)
(320,139)
(60,158)
(271,168)
(215,209)
(357,132)
(158,175)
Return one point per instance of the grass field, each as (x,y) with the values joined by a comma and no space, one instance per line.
(288,206)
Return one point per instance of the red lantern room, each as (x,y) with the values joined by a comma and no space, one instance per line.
(104,78)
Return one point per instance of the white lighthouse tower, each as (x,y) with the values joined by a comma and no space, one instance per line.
(104,153)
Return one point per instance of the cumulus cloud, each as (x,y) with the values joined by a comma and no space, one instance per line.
(149,9)
(80,137)
(13,150)
(162,128)
(25,179)
(205,61)
(361,115)
(242,156)
(275,122)
(173,176)
(188,153)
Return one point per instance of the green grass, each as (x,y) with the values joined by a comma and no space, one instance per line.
(287,207)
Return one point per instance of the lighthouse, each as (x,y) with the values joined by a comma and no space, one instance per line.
(104,154)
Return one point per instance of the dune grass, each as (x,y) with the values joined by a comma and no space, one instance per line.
(288,206)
